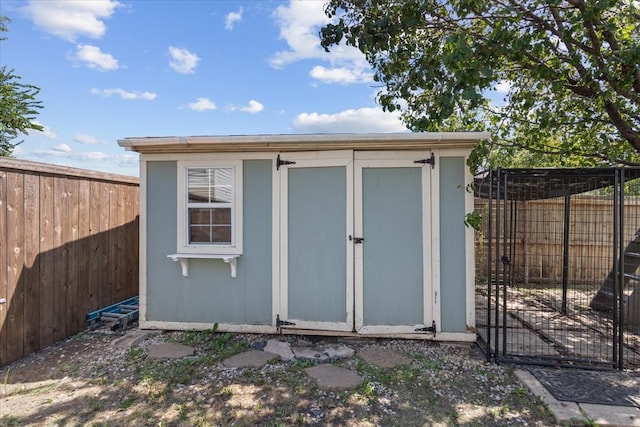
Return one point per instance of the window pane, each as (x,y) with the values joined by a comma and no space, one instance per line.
(222,235)
(199,234)
(199,216)
(210,185)
(210,225)
(221,216)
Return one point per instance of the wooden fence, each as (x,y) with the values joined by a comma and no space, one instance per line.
(536,251)
(68,246)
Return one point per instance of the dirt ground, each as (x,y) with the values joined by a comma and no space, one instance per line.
(86,381)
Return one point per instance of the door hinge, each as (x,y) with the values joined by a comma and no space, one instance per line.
(281,323)
(431,328)
(282,162)
(356,239)
(431,161)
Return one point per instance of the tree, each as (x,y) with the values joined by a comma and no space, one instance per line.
(572,69)
(18,105)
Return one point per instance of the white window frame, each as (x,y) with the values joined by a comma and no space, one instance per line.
(184,247)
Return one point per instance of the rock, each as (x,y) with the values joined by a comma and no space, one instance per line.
(250,359)
(169,351)
(333,377)
(282,349)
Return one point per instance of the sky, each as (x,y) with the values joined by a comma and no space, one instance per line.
(112,69)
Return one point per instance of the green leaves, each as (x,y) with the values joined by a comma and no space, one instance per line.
(18,106)
(572,69)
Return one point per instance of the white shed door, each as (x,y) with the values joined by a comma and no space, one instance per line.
(355,245)
(316,214)
(393,260)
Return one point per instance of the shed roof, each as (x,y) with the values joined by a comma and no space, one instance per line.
(303,142)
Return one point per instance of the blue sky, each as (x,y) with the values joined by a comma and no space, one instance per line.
(112,69)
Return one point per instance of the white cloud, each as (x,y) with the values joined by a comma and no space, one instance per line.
(95,58)
(46,132)
(85,139)
(64,148)
(300,23)
(362,120)
(202,104)
(69,19)
(252,107)
(64,151)
(124,94)
(183,61)
(232,18)
(340,75)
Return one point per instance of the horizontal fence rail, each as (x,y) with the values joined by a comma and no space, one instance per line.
(68,246)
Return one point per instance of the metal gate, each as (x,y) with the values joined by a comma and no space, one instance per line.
(557,275)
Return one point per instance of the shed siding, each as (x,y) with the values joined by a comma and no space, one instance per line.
(452,244)
(163,276)
(209,294)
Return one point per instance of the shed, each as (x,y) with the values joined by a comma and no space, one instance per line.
(337,234)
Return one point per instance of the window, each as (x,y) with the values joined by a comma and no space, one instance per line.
(210,208)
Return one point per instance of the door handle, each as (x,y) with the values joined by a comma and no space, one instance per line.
(356,239)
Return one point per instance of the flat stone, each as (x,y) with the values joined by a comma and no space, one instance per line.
(310,353)
(565,413)
(606,415)
(169,350)
(131,339)
(383,357)
(250,359)
(332,377)
(338,351)
(281,348)
(323,353)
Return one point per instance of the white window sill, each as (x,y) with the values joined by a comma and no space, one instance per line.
(183,259)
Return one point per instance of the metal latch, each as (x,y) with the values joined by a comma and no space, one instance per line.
(431,161)
(282,162)
(356,239)
(431,328)
(281,323)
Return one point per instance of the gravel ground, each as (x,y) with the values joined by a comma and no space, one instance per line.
(85,380)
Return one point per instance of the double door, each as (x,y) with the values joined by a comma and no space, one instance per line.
(355,248)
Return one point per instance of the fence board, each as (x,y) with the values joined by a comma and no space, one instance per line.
(114,246)
(106,293)
(60,257)
(94,247)
(31,273)
(4,291)
(58,244)
(84,257)
(15,261)
(47,244)
(72,315)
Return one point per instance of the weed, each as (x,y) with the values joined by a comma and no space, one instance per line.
(367,390)
(9,420)
(299,420)
(5,381)
(226,392)
(127,402)
(432,365)
(453,417)
(94,405)
(182,411)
